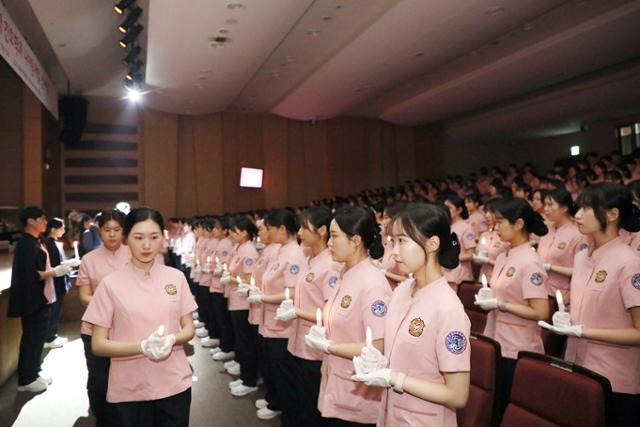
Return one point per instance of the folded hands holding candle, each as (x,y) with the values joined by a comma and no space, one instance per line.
(562,321)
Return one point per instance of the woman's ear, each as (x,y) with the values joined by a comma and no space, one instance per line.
(613,215)
(433,244)
(322,231)
(519,224)
(357,240)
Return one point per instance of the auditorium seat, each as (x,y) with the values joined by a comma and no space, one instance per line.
(548,391)
(478,316)
(553,343)
(485,356)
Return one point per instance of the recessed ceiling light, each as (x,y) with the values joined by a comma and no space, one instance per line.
(206,71)
(203,77)
(313,33)
(338,6)
(62,45)
(528,27)
(494,10)
(217,45)
(419,54)
(327,18)
(223,31)
(231,21)
(235,6)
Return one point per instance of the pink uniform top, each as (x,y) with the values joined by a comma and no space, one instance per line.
(425,335)
(188,241)
(132,304)
(490,245)
(517,277)
(201,245)
(604,286)
(478,222)
(282,273)
(558,247)
(243,263)
(312,291)
(467,239)
(361,299)
(224,251)
(96,265)
(209,251)
(631,239)
(269,254)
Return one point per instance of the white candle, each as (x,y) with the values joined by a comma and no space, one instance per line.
(388,238)
(411,275)
(252,281)
(224,266)
(368,337)
(483,241)
(318,317)
(258,239)
(483,280)
(161,330)
(198,262)
(286,293)
(75,249)
(217,260)
(238,279)
(560,301)
(166,234)
(209,260)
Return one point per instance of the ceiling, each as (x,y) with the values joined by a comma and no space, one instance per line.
(408,62)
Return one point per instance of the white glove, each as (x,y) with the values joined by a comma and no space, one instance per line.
(286,311)
(379,378)
(480,259)
(243,290)
(62,269)
(561,319)
(255,297)
(484,294)
(370,360)
(151,346)
(207,269)
(73,262)
(486,304)
(317,339)
(166,346)
(218,270)
(198,268)
(571,330)
(546,266)
(225,279)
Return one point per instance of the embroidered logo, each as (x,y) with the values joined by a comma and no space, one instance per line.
(379,308)
(248,262)
(456,342)
(170,289)
(511,271)
(584,246)
(416,327)
(294,269)
(635,281)
(309,277)
(346,301)
(332,281)
(275,266)
(470,236)
(496,245)
(601,276)
(537,279)
(562,245)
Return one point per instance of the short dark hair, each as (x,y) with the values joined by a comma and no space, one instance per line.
(142,214)
(30,212)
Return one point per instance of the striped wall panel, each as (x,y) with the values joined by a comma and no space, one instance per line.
(103,169)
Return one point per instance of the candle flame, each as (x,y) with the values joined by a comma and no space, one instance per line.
(559,298)
(318,316)
(239,279)
(286,293)
(252,281)
(483,280)
(369,337)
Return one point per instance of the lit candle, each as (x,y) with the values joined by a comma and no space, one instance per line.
(198,262)
(388,238)
(209,260)
(75,249)
(217,260)
(161,330)
(224,266)
(483,280)
(252,281)
(286,293)
(410,275)
(166,234)
(238,279)
(368,337)
(258,239)
(318,317)
(483,241)
(560,301)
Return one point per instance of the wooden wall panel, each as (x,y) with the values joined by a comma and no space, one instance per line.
(186,200)
(335,157)
(375,168)
(315,160)
(249,154)
(11,135)
(405,153)
(207,134)
(296,173)
(389,164)
(274,180)
(229,169)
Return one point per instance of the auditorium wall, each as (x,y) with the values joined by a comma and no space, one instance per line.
(191,164)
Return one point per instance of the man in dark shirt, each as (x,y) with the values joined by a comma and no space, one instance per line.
(31,294)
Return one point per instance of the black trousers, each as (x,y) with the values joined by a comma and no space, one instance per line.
(172,411)
(34,333)
(223,321)
(505,381)
(624,410)
(97,383)
(204,311)
(308,389)
(56,312)
(336,422)
(246,354)
(278,370)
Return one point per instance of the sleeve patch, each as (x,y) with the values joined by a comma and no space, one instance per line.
(248,262)
(456,342)
(470,236)
(225,253)
(583,247)
(333,280)
(537,279)
(379,308)
(635,281)
(294,269)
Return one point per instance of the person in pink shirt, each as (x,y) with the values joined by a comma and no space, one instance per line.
(141,316)
(490,245)
(426,353)
(219,304)
(477,220)
(558,247)
(282,275)
(467,238)
(603,325)
(205,326)
(315,285)
(112,255)
(387,264)
(518,297)
(360,301)
(242,265)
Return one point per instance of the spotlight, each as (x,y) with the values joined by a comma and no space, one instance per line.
(130,20)
(134,71)
(131,36)
(122,6)
(134,95)
(132,56)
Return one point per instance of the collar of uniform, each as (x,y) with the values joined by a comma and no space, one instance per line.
(359,266)
(429,288)
(524,247)
(244,245)
(289,246)
(322,256)
(141,274)
(598,254)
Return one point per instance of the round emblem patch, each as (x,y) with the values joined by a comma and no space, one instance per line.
(511,271)
(294,269)
(601,276)
(635,281)
(416,327)
(225,253)
(537,279)
(583,247)
(469,236)
(170,289)
(379,308)
(496,245)
(332,281)
(309,277)
(638,248)
(346,301)
(562,245)
(248,262)
(456,342)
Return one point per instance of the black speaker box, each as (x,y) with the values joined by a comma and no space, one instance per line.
(73,118)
